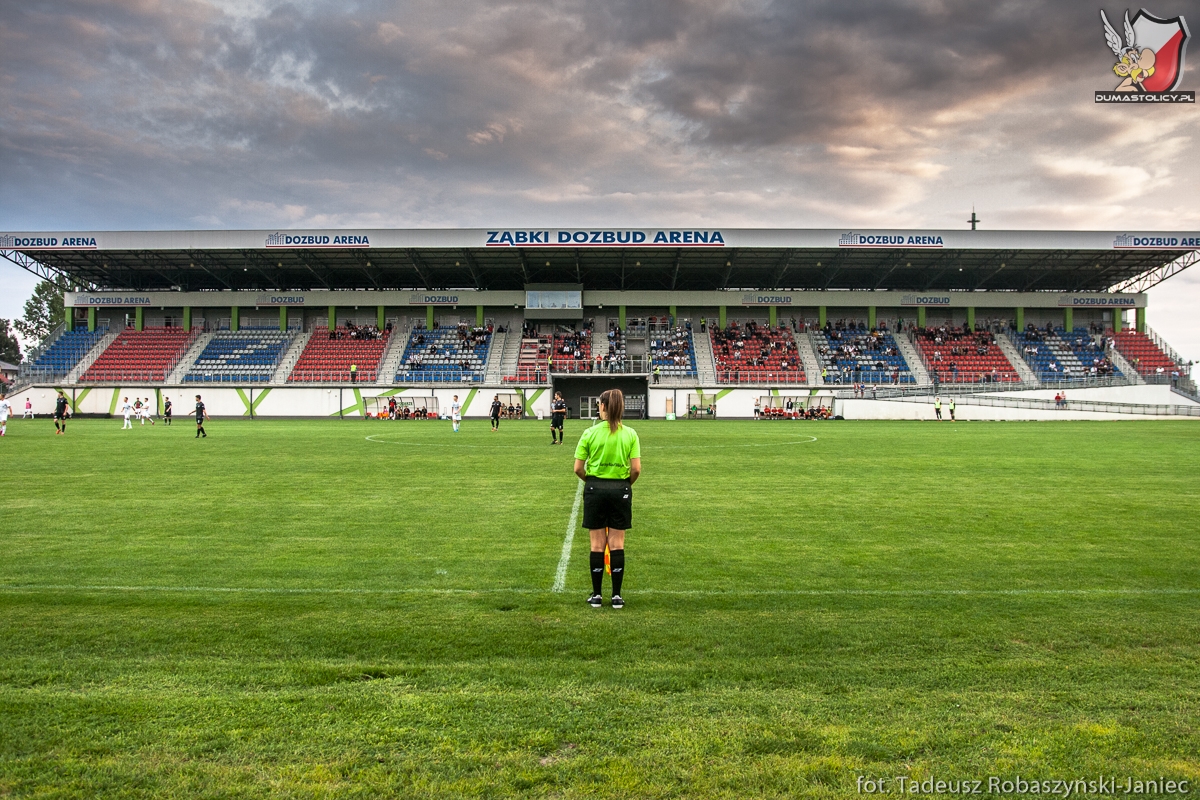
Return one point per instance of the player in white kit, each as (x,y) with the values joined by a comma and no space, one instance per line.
(127,411)
(5,409)
(455,413)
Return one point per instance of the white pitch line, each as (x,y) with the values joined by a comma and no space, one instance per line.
(560,575)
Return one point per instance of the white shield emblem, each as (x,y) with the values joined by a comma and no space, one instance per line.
(1168,39)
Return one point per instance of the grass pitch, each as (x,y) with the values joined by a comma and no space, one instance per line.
(289,609)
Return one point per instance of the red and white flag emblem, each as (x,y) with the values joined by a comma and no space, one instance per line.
(1168,39)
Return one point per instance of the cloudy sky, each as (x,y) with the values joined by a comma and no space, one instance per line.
(133,114)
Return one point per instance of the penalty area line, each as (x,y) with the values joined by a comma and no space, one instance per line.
(560,574)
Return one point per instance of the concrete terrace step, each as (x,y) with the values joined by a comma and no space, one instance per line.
(706,368)
(492,372)
(92,355)
(911,357)
(1123,364)
(389,365)
(808,357)
(181,369)
(1005,343)
(290,357)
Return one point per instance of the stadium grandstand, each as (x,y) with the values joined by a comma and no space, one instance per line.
(666,313)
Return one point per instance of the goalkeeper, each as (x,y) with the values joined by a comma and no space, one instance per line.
(608,460)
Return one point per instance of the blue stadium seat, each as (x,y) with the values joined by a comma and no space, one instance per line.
(443,355)
(858,356)
(240,357)
(66,351)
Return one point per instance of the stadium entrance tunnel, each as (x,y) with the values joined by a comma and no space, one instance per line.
(577,389)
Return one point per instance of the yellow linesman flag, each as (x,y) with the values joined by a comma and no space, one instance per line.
(607,561)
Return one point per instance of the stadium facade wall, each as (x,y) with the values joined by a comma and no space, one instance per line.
(283,401)
(347,401)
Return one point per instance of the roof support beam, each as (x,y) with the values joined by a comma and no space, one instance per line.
(1154,277)
(730,264)
(1052,260)
(675,272)
(418,266)
(473,268)
(897,257)
(578,268)
(310,263)
(44,271)
(364,266)
(199,257)
(1003,257)
(781,268)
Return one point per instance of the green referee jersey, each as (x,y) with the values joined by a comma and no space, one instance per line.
(607,454)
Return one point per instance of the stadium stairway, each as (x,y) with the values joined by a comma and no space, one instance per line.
(189,358)
(599,338)
(493,370)
(706,368)
(1125,367)
(389,365)
(290,358)
(1051,350)
(808,357)
(915,364)
(1016,359)
(511,354)
(92,355)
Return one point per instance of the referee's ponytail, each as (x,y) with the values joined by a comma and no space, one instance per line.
(614,407)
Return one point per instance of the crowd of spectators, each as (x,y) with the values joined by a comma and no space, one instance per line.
(960,355)
(754,348)
(852,350)
(359,333)
(673,351)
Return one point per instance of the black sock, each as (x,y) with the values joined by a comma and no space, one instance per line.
(616,559)
(597,571)
(56,425)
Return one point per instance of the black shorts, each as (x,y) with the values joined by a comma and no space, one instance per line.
(556,420)
(607,504)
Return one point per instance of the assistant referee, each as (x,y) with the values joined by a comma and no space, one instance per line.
(608,460)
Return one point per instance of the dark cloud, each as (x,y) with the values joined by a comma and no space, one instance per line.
(222,113)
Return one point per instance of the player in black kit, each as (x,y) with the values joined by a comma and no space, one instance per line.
(558,413)
(61,412)
(496,406)
(201,415)
(167,410)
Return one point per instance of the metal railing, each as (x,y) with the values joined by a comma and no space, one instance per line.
(964,389)
(755,378)
(1037,404)
(469,378)
(331,376)
(124,376)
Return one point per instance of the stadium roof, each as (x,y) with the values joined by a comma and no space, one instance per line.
(675,259)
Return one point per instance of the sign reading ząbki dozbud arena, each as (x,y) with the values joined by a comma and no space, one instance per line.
(696,237)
